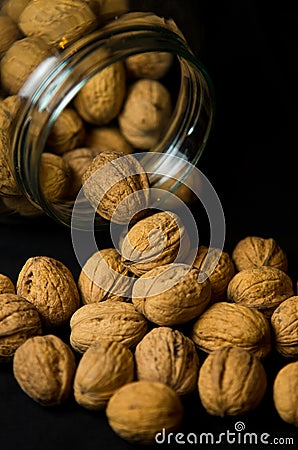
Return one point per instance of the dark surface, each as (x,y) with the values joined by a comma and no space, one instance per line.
(250,51)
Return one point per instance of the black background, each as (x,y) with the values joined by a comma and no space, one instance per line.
(250,50)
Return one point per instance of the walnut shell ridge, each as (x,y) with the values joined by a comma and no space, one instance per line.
(284,322)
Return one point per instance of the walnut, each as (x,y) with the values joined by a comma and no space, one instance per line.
(14,8)
(103,368)
(110,320)
(9,33)
(154,241)
(153,65)
(285,393)
(284,324)
(49,285)
(232,381)
(20,60)
(9,109)
(168,356)
(44,367)
(219,267)
(141,409)
(254,251)
(19,320)
(67,133)
(145,114)
(6,285)
(100,99)
(225,324)
(57,21)
(109,182)
(54,176)
(171,294)
(107,139)
(263,288)
(102,277)
(22,206)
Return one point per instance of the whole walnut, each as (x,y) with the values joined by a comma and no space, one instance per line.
(230,324)
(146,113)
(232,381)
(49,285)
(19,320)
(172,294)
(103,368)
(9,33)
(67,133)
(6,285)
(284,325)
(263,288)
(54,176)
(141,409)
(153,65)
(154,241)
(219,267)
(107,139)
(44,367)
(168,356)
(103,277)
(254,251)
(57,20)
(100,99)
(285,393)
(117,186)
(110,320)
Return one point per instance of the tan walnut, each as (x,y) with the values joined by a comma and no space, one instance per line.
(9,33)
(284,322)
(232,381)
(285,393)
(103,368)
(67,133)
(255,251)
(6,285)
(19,320)
(171,294)
(168,356)
(230,324)
(262,288)
(154,241)
(152,65)
(44,367)
(107,139)
(141,409)
(111,320)
(54,176)
(50,286)
(117,186)
(219,267)
(104,277)
(13,8)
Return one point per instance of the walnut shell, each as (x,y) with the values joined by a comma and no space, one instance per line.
(254,251)
(54,176)
(153,241)
(263,288)
(109,183)
(67,133)
(6,285)
(100,99)
(110,320)
(284,322)
(171,294)
(57,21)
(226,324)
(50,286)
(9,33)
(145,114)
(44,367)
(103,368)
(168,356)
(285,393)
(107,139)
(14,8)
(153,65)
(19,320)
(231,382)
(141,409)
(102,277)
(219,267)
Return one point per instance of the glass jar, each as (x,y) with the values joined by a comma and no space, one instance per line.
(54,85)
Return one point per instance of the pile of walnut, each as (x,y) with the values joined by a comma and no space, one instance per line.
(128,354)
(126,107)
